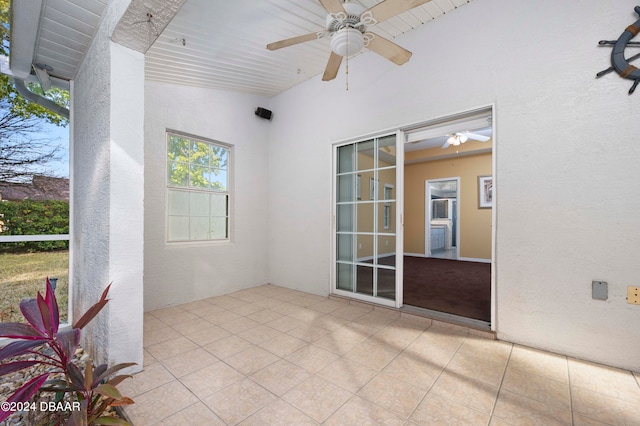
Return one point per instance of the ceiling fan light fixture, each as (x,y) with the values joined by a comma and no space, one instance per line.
(452,140)
(347,41)
(463,138)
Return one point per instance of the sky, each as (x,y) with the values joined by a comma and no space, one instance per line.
(58,135)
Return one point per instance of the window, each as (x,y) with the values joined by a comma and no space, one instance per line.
(197,189)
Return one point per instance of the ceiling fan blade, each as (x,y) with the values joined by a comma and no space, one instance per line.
(385,48)
(446,144)
(476,137)
(390,8)
(332,6)
(331,71)
(293,40)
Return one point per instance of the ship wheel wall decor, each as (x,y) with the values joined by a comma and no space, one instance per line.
(619,63)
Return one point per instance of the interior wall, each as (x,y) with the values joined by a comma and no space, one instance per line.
(564,215)
(182,272)
(475,223)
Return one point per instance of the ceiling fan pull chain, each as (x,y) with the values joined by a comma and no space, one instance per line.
(347,74)
(347,66)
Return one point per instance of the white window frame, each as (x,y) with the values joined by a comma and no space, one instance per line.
(195,190)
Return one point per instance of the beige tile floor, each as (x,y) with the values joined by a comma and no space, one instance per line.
(274,356)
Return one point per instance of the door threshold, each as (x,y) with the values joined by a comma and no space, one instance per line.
(450,318)
(456,320)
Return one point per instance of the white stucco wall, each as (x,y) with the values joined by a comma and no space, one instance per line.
(566,147)
(108,191)
(177,273)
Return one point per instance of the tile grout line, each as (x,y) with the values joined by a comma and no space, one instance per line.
(437,377)
(504,373)
(573,420)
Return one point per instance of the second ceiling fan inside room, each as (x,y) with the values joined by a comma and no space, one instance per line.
(347,25)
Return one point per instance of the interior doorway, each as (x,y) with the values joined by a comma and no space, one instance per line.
(448,233)
(441,218)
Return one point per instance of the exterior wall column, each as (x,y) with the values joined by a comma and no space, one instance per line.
(108,191)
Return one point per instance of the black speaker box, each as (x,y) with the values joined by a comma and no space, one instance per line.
(263,113)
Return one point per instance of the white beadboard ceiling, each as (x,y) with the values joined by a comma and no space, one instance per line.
(65,33)
(218,44)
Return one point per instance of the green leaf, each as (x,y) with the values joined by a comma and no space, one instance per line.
(106,373)
(108,391)
(115,381)
(78,418)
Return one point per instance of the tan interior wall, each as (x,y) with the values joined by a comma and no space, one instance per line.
(386,244)
(475,223)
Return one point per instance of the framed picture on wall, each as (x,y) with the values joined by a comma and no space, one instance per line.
(485,192)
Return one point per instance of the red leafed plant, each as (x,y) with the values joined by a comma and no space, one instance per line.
(91,392)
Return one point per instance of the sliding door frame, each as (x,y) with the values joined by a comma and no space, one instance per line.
(400,189)
(399,217)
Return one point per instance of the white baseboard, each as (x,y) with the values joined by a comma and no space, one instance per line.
(466,259)
(474,259)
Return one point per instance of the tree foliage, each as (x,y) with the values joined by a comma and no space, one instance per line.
(196,164)
(16,103)
(24,150)
(30,217)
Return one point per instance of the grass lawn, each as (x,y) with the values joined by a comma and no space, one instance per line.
(23,275)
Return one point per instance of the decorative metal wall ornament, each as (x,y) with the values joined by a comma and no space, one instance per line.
(619,63)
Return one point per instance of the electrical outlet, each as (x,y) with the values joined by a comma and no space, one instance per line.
(633,295)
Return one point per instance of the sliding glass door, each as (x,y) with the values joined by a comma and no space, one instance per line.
(366,220)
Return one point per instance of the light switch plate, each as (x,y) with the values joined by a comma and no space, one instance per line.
(633,295)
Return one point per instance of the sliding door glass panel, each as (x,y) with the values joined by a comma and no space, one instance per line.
(345,276)
(346,188)
(365,157)
(386,282)
(386,217)
(365,217)
(386,250)
(344,217)
(365,280)
(387,151)
(345,247)
(365,248)
(346,158)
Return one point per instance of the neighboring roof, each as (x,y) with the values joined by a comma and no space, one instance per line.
(41,188)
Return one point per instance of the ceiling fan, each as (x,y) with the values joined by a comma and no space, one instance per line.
(456,139)
(347,24)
